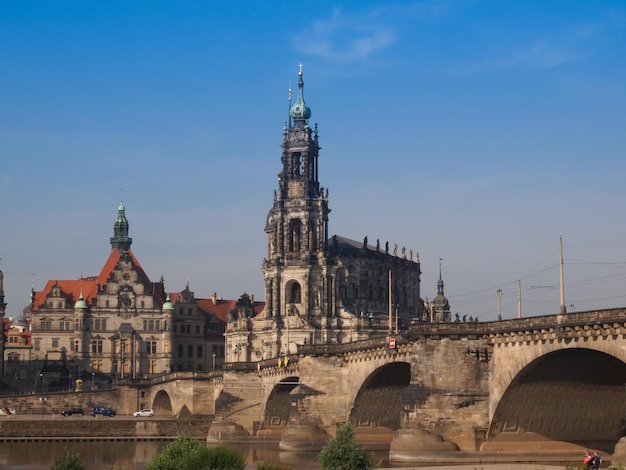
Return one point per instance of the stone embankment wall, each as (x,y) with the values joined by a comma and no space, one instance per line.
(100,428)
(54,403)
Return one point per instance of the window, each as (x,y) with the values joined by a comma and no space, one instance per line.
(151,347)
(190,351)
(96,346)
(189,311)
(197,329)
(180,350)
(46,325)
(295,294)
(151,325)
(60,304)
(100,324)
(199,351)
(55,342)
(37,344)
(64,326)
(143,303)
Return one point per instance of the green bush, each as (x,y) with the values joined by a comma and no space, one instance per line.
(186,453)
(68,461)
(342,453)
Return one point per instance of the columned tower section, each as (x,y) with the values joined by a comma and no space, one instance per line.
(120,238)
(299,279)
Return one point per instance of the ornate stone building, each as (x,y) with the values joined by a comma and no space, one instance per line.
(119,324)
(319,289)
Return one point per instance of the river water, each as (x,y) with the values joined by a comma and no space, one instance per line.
(135,455)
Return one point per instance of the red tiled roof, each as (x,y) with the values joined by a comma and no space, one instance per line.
(89,285)
(220,308)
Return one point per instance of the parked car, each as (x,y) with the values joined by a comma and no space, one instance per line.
(145,412)
(5,411)
(73,411)
(102,410)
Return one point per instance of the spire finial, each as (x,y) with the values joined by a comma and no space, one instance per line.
(440,260)
(300,112)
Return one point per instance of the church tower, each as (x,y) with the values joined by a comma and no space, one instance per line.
(298,275)
(319,289)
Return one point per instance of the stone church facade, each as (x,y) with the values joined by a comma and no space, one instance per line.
(319,289)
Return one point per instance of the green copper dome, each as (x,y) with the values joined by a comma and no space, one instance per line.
(167,306)
(300,111)
(81,304)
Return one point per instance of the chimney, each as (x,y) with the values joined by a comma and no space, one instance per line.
(214,298)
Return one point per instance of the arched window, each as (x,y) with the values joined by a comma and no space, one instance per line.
(295,293)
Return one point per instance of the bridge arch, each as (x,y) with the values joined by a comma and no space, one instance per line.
(510,358)
(565,395)
(162,404)
(379,393)
(278,405)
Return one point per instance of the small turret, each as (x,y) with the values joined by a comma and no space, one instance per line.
(167,306)
(120,239)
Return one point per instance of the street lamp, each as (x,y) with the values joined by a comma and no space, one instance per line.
(93,376)
(41,381)
(214,362)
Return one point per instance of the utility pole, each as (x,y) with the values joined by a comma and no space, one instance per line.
(519,298)
(390,305)
(563,309)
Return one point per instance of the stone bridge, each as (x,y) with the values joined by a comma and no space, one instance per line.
(551,384)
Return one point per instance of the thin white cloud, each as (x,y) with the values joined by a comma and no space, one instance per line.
(546,52)
(345,38)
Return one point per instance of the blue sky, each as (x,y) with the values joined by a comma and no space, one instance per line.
(473,132)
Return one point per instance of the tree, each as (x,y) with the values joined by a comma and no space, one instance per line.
(68,461)
(342,453)
(189,454)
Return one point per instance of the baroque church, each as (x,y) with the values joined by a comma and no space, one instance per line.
(322,289)
(319,290)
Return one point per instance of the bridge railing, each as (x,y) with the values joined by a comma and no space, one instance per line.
(331,349)
(559,320)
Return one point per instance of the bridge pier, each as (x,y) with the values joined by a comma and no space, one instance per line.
(445,408)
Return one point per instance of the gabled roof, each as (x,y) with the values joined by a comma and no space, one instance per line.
(89,285)
(219,307)
(71,289)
